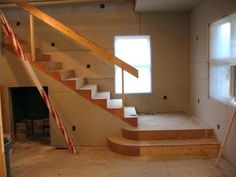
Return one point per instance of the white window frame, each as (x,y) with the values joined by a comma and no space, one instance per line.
(222,60)
(128,78)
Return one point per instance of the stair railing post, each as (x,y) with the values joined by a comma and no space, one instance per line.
(123,90)
(32,41)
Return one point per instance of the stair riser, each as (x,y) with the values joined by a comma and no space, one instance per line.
(118,112)
(180,150)
(125,150)
(40,65)
(69,84)
(55,75)
(54,66)
(43,57)
(167,134)
(100,102)
(131,121)
(85,93)
(45,66)
(164,150)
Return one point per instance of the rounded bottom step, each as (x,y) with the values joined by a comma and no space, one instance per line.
(124,146)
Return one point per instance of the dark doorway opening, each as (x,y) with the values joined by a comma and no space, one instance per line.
(30,114)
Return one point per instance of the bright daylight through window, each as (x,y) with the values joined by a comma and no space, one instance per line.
(223,59)
(136,51)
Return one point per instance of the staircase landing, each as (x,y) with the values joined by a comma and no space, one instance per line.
(167,121)
(165,134)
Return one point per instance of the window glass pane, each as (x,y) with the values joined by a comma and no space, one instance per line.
(134,50)
(233,37)
(220,82)
(133,84)
(220,41)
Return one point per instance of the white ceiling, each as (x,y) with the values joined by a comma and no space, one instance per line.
(140,5)
(165,5)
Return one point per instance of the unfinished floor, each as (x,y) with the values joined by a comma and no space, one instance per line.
(37,159)
(32,159)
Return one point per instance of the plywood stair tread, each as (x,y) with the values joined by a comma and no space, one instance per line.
(114,104)
(130,112)
(75,78)
(88,87)
(167,121)
(101,95)
(61,70)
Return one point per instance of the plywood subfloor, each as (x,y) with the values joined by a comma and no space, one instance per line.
(33,159)
(168,121)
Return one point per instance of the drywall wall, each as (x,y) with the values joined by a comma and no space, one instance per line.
(206,109)
(169,39)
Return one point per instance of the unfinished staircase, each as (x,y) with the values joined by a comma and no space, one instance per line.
(79,85)
(163,135)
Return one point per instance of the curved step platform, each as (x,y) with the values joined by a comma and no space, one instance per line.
(165,134)
(124,146)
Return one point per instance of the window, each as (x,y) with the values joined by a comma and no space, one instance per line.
(134,50)
(223,59)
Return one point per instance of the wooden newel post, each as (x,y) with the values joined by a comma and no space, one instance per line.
(32,41)
(123,90)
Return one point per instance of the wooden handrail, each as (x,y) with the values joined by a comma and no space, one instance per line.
(78,38)
(32,43)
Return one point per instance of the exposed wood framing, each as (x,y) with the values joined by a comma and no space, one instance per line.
(59,2)
(32,41)
(103,53)
(2,155)
(123,90)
